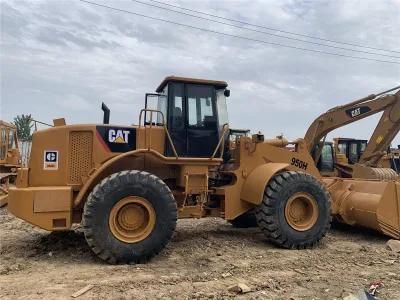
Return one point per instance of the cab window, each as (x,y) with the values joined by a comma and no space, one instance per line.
(326,160)
(201,111)
(156,102)
(222,108)
(3,143)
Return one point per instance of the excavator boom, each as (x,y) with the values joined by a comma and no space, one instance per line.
(340,116)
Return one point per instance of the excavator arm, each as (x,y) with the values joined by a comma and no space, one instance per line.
(386,130)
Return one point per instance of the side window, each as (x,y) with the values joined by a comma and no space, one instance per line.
(176,118)
(222,108)
(11,139)
(327,158)
(353,154)
(342,148)
(3,143)
(363,146)
(156,102)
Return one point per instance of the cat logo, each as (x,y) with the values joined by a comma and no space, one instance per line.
(355,112)
(50,160)
(118,136)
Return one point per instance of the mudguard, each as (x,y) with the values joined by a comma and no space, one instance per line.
(254,186)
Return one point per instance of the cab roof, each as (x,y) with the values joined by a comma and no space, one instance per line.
(215,83)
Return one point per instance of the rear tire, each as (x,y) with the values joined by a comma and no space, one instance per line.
(295,211)
(129,217)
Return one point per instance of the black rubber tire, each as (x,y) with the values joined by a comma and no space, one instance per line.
(247,220)
(270,213)
(106,194)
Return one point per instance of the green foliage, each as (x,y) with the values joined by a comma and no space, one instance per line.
(24,125)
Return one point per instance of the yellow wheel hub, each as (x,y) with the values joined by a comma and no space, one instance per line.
(132,219)
(301,211)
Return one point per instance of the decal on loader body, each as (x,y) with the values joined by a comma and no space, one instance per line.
(117,139)
(299,163)
(50,160)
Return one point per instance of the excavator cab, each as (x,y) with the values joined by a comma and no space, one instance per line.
(194,112)
(352,148)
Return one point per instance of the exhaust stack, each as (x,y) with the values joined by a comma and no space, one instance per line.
(106,116)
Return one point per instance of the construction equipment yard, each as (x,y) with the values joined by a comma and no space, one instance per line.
(205,258)
(147,178)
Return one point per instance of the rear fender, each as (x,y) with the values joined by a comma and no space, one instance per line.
(115,164)
(254,186)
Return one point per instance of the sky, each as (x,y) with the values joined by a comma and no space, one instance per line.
(62,58)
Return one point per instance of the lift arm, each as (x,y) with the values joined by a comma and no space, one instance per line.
(339,116)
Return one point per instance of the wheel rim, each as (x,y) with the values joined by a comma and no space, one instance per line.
(301,211)
(132,219)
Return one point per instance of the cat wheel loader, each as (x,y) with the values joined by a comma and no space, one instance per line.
(10,159)
(127,185)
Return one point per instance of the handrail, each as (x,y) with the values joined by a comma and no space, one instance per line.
(36,121)
(151,125)
(225,127)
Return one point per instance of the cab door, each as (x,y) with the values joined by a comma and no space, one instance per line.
(176,120)
(202,121)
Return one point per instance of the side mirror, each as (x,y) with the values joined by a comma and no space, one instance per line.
(227,93)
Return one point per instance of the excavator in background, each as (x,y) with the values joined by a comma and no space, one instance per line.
(392,159)
(349,151)
(363,193)
(10,158)
(362,159)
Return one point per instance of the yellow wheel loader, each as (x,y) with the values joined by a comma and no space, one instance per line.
(128,185)
(10,159)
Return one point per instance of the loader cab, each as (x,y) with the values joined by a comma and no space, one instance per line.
(195,112)
(326,161)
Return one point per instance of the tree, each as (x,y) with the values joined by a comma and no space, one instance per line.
(24,125)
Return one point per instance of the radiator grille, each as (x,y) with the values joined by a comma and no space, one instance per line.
(80,155)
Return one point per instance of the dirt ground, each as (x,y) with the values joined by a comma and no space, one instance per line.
(203,260)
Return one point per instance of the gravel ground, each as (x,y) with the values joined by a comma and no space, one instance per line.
(204,259)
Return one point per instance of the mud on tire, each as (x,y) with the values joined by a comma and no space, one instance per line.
(105,197)
(272,213)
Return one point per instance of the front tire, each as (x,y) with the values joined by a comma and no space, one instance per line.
(295,211)
(129,217)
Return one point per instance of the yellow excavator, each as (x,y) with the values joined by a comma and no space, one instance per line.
(363,158)
(349,150)
(362,193)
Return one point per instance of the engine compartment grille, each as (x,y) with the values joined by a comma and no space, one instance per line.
(80,155)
